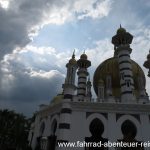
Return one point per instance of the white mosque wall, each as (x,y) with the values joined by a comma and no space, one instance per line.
(79,122)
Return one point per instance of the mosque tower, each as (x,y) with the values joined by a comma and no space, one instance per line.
(69,85)
(122,41)
(83,64)
(147,63)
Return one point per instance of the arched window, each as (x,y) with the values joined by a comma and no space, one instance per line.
(96,128)
(52,138)
(42,128)
(129,132)
(128,83)
(122,75)
(54,127)
(128,129)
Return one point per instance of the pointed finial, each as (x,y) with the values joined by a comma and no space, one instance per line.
(84,52)
(120,26)
(73,55)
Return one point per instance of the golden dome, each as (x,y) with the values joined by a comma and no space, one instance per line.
(111,67)
(57,99)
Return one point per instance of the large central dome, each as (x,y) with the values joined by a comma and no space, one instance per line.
(111,67)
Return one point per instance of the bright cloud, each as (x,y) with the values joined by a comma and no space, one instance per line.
(44,74)
(94,9)
(23,19)
(78,9)
(4,4)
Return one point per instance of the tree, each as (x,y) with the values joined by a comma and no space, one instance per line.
(14,130)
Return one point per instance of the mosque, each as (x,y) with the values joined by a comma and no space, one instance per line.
(121,111)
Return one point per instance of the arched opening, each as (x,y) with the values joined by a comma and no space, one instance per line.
(129,131)
(54,127)
(42,127)
(41,131)
(96,128)
(52,138)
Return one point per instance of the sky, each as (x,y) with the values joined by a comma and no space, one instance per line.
(37,38)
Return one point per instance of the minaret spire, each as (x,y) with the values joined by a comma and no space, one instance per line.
(84,52)
(73,55)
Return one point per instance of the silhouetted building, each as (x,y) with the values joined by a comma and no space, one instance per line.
(121,111)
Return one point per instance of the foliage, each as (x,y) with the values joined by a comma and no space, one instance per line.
(14,130)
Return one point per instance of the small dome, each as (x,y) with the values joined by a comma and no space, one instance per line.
(57,99)
(122,37)
(111,67)
(121,30)
(83,56)
(72,61)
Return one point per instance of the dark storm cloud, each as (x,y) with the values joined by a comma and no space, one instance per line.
(18,88)
(28,88)
(20,19)
(24,89)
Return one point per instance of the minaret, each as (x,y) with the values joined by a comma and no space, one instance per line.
(109,96)
(89,93)
(68,90)
(83,64)
(69,85)
(122,41)
(143,98)
(147,63)
(101,90)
